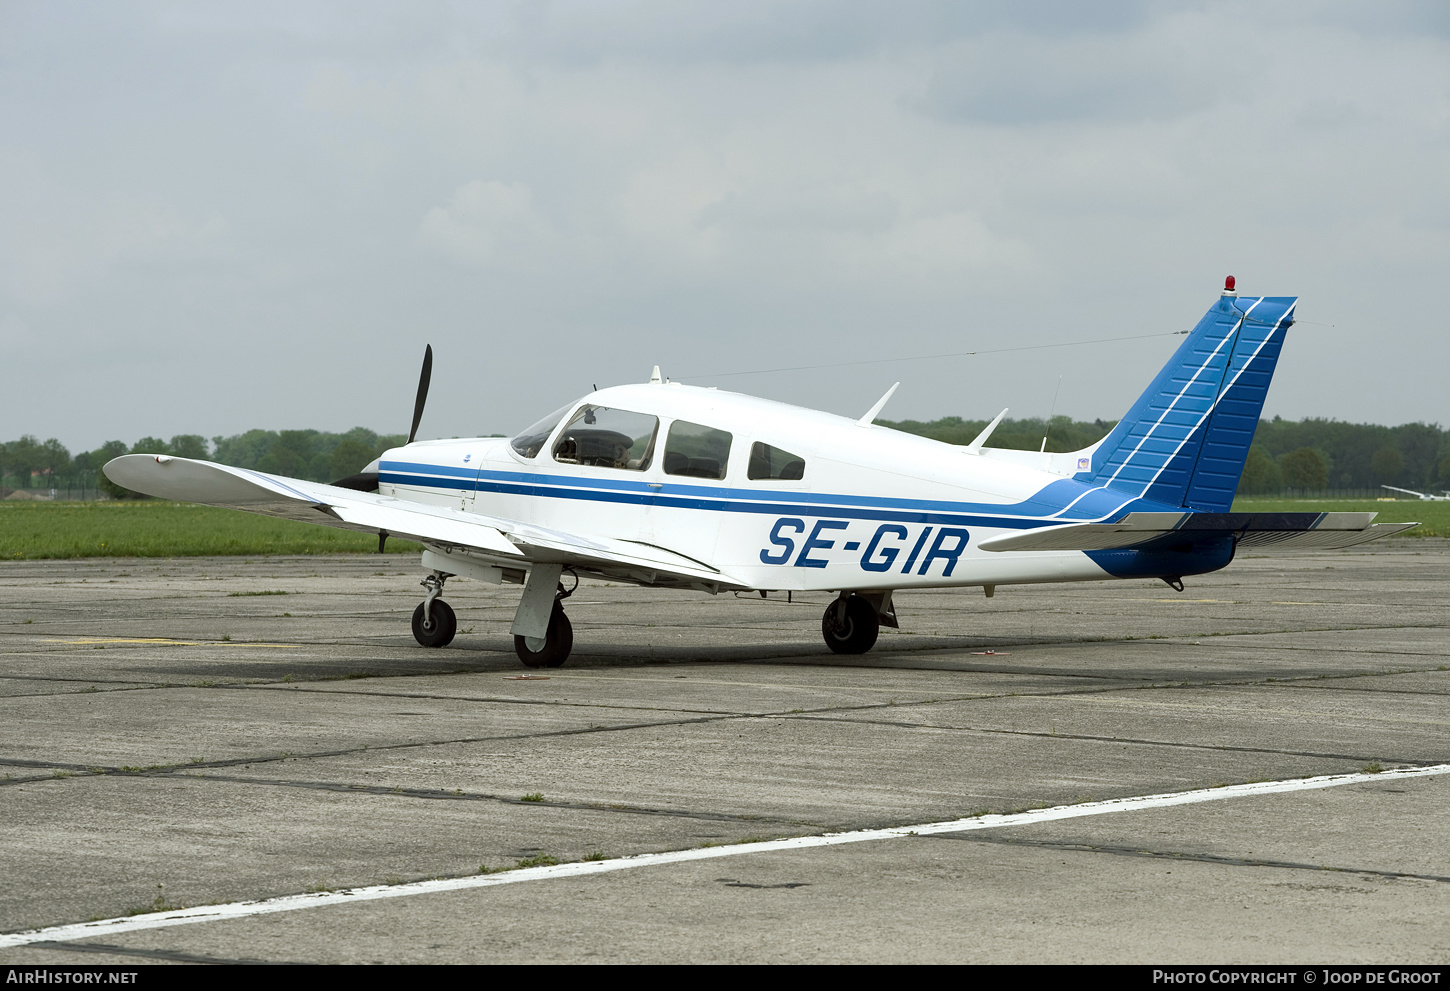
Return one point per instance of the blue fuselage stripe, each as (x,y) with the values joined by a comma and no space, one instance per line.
(467,478)
(721,501)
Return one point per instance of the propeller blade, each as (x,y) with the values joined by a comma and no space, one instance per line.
(423,381)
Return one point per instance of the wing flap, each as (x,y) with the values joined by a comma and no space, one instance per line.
(427,527)
(1163,530)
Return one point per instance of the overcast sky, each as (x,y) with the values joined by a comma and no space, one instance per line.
(222,216)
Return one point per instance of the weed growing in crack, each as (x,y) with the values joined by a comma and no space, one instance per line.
(539,860)
(160,904)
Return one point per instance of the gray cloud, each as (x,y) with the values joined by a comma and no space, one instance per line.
(231,216)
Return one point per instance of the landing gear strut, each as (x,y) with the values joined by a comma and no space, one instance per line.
(552,649)
(434,622)
(850,625)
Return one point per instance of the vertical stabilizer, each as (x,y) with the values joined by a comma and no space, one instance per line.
(1185,441)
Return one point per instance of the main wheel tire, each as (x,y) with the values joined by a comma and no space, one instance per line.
(558,642)
(440,627)
(857,633)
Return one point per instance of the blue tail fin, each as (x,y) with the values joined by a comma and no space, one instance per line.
(1185,440)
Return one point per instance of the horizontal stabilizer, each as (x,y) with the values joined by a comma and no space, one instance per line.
(1163,531)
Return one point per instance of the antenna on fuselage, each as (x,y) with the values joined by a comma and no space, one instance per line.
(654,377)
(866,420)
(975,447)
(1048,426)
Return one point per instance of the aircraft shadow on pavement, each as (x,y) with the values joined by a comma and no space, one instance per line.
(472,655)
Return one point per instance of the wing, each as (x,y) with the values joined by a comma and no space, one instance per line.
(1162,531)
(506,543)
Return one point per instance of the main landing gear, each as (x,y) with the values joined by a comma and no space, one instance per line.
(434,622)
(552,649)
(850,625)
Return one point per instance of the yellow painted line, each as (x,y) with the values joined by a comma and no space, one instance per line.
(1192,600)
(165,642)
(122,640)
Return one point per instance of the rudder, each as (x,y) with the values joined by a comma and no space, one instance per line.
(1184,442)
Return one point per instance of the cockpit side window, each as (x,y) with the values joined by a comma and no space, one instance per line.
(529,443)
(608,438)
(768,462)
(696,450)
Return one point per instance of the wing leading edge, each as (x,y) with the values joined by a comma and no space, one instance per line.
(508,543)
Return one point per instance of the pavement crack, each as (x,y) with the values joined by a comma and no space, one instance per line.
(498,700)
(730,882)
(440,794)
(1371,691)
(823,715)
(1206,858)
(31,779)
(145,954)
(1217,747)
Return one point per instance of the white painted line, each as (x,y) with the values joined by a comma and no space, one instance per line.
(292,903)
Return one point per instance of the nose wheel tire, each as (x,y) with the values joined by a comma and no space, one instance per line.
(438,628)
(554,649)
(856,631)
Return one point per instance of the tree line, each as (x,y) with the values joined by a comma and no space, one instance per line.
(316,455)
(1301,454)
(1322,454)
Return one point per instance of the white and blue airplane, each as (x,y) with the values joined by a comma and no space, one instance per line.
(1428,497)
(668,485)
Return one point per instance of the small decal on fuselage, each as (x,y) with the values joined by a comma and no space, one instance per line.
(894,547)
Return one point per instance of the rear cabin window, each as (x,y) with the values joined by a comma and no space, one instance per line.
(608,438)
(696,450)
(771,462)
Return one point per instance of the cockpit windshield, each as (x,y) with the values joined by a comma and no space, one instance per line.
(602,437)
(529,443)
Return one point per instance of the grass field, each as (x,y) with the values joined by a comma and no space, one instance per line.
(1433,517)
(30,530)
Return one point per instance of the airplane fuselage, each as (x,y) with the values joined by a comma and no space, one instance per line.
(868,508)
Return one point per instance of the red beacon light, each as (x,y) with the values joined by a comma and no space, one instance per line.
(1228,286)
